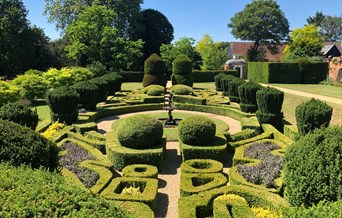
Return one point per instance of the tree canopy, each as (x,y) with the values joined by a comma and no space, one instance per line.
(317,19)
(93,38)
(329,26)
(262,22)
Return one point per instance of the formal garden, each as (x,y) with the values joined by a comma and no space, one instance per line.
(107,146)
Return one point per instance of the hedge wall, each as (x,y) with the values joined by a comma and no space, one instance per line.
(189,99)
(132,76)
(208,76)
(314,72)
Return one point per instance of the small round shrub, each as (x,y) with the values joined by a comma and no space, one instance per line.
(182,79)
(140,132)
(202,166)
(247,93)
(20,114)
(217,79)
(88,92)
(115,81)
(103,87)
(182,65)
(154,90)
(154,69)
(181,90)
(140,170)
(312,114)
(63,104)
(53,197)
(197,130)
(233,86)
(21,145)
(312,168)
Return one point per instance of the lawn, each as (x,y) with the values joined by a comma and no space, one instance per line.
(326,90)
(43,113)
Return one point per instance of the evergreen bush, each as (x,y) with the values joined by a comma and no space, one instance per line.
(312,114)
(20,114)
(31,86)
(115,81)
(247,93)
(103,86)
(270,101)
(217,79)
(312,168)
(181,90)
(225,84)
(233,86)
(8,93)
(154,69)
(154,90)
(182,71)
(21,145)
(88,92)
(140,132)
(63,104)
(197,130)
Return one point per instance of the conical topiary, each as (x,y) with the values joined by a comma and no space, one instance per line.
(154,69)
(182,71)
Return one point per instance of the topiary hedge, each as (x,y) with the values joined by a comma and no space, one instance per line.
(115,80)
(140,171)
(225,84)
(197,130)
(247,93)
(182,71)
(233,87)
(47,190)
(140,132)
(63,104)
(88,92)
(217,80)
(201,166)
(239,207)
(21,145)
(270,101)
(103,87)
(154,90)
(312,168)
(154,69)
(209,75)
(189,99)
(181,90)
(20,114)
(312,114)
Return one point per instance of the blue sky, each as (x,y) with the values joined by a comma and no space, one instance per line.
(194,18)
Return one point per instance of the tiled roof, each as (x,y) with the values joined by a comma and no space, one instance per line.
(338,45)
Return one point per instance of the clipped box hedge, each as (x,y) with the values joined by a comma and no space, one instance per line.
(189,100)
(85,127)
(201,205)
(140,171)
(122,156)
(201,166)
(148,190)
(239,207)
(314,72)
(209,75)
(193,183)
(216,150)
(95,135)
(147,99)
(135,209)
(100,145)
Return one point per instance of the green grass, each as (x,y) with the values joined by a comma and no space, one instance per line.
(43,113)
(292,101)
(207,85)
(132,86)
(326,90)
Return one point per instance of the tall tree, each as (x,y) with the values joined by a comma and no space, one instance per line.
(64,12)
(262,22)
(157,30)
(304,42)
(331,28)
(93,38)
(317,19)
(214,54)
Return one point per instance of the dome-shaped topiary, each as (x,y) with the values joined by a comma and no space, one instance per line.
(182,90)
(182,71)
(63,103)
(21,145)
(217,79)
(197,130)
(154,68)
(312,168)
(225,80)
(247,93)
(156,90)
(233,86)
(103,86)
(88,92)
(20,114)
(312,114)
(140,132)
(115,81)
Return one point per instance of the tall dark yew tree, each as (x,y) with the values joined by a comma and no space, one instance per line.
(262,22)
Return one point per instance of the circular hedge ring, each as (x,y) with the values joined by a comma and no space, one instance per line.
(197,130)
(140,132)
(202,166)
(140,170)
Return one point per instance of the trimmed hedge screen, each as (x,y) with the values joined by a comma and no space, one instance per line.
(209,75)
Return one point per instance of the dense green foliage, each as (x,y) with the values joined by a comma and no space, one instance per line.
(217,80)
(331,28)
(47,190)
(140,170)
(88,93)
(201,166)
(182,71)
(233,87)
(197,130)
(209,75)
(247,93)
(20,114)
(312,114)
(154,66)
(322,209)
(313,72)
(225,83)
(8,93)
(21,145)
(270,101)
(103,87)
(312,168)
(262,22)
(115,81)
(140,131)
(31,86)
(63,104)
(66,76)
(154,90)
(181,90)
